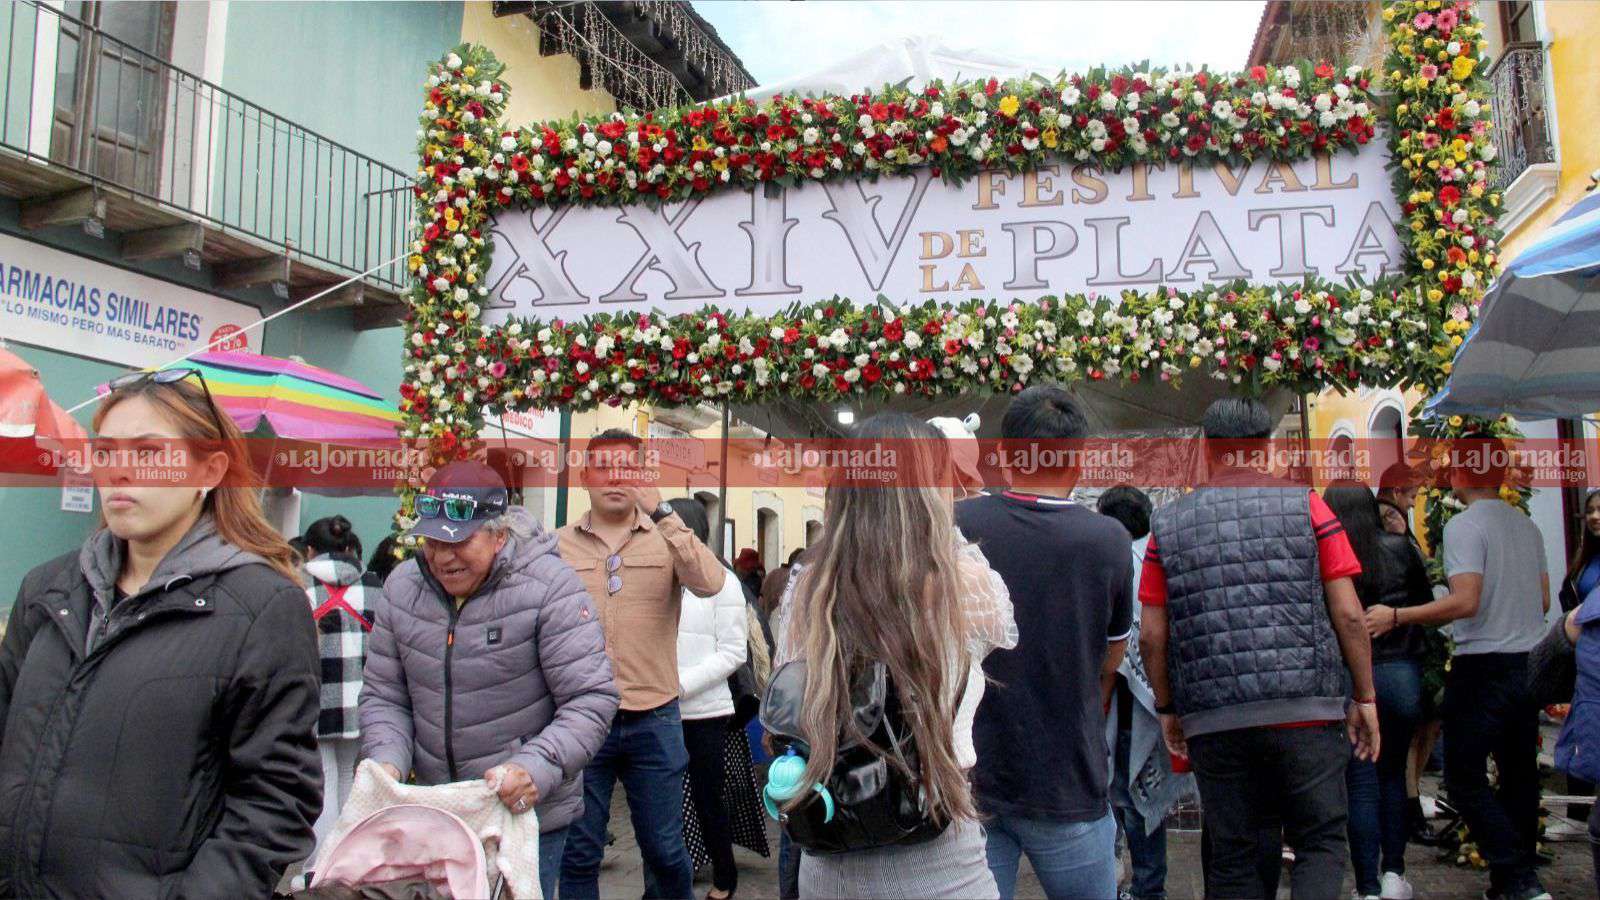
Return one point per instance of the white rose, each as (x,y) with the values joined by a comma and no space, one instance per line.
(508,143)
(1108,100)
(1070,96)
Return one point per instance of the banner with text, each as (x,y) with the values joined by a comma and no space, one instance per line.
(61,301)
(1060,229)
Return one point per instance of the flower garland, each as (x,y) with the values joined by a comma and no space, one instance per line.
(1397,332)
(1441,152)
(1113,118)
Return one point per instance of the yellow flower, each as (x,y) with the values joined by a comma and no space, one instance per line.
(1009,104)
(1194,362)
(1462,67)
(700,143)
(1435,295)
(1427,264)
(720,163)
(469,71)
(1446,367)
(1050,137)
(415,261)
(1455,340)
(1455,421)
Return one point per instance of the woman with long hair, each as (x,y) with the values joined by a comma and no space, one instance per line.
(892,582)
(1583,576)
(158,688)
(1392,574)
(344,605)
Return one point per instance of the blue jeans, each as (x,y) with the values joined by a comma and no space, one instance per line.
(645,749)
(1379,822)
(551,846)
(1072,859)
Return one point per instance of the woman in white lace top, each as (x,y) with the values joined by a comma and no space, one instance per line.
(891,580)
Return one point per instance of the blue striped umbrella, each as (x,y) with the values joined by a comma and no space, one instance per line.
(1534,352)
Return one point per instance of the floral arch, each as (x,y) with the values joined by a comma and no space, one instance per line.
(1396,332)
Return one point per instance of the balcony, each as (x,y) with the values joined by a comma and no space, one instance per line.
(98,132)
(1521,127)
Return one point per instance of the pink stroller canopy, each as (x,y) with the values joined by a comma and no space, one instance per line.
(405,842)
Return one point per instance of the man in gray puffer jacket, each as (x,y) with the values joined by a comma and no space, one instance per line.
(488,661)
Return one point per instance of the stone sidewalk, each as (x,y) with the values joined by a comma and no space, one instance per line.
(1570,877)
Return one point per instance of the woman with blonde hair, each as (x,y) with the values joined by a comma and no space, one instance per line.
(158,687)
(891,594)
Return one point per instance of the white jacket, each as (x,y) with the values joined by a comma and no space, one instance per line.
(713,641)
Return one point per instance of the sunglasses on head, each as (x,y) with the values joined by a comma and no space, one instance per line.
(456,509)
(134,380)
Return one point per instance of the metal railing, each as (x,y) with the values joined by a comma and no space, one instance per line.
(1521,127)
(80,99)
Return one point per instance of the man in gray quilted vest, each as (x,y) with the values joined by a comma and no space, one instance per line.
(1250,629)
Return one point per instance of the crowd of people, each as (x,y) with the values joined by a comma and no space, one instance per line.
(949,678)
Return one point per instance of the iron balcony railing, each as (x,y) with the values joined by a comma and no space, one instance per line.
(1521,126)
(80,99)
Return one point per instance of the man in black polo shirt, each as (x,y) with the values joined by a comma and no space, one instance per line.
(1041,775)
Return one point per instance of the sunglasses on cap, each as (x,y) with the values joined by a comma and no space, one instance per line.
(456,509)
(134,380)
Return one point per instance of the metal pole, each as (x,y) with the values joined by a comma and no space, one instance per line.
(722,486)
(563,473)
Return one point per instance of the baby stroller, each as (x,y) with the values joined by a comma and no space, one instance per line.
(406,852)
(397,841)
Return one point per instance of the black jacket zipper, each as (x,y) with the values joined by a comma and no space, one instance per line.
(449,696)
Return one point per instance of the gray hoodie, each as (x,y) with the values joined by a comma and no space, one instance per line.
(517,674)
(201,552)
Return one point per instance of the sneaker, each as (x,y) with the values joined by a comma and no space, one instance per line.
(1394,886)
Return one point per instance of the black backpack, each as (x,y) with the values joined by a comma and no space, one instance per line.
(872,802)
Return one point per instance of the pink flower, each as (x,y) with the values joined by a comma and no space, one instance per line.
(1458,312)
(1430,141)
(1447,21)
(1430,71)
(498,370)
(1423,21)
(1312,344)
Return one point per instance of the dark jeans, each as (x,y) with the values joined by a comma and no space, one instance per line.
(706,740)
(1148,851)
(1379,822)
(645,749)
(788,867)
(552,845)
(1247,776)
(1489,712)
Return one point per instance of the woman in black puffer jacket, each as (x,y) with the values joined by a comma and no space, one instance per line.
(158,688)
(1392,574)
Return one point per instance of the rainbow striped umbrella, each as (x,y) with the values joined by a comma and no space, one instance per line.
(267,396)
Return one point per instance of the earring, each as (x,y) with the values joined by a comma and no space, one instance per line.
(204,492)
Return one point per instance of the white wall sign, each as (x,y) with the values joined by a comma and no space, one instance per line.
(61,301)
(1060,229)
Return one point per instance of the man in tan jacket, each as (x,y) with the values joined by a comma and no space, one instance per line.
(634,554)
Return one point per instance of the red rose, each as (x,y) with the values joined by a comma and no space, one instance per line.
(871,373)
(1259,73)
(894,331)
(1449,195)
(791,334)
(1324,70)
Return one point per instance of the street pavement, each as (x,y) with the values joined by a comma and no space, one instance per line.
(1570,877)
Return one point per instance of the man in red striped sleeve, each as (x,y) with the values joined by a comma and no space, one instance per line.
(1250,622)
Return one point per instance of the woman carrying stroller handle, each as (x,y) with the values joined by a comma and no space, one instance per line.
(504,676)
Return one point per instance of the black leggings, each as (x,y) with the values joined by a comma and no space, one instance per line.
(705,739)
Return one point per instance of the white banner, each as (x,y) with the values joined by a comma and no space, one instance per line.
(61,301)
(1062,229)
